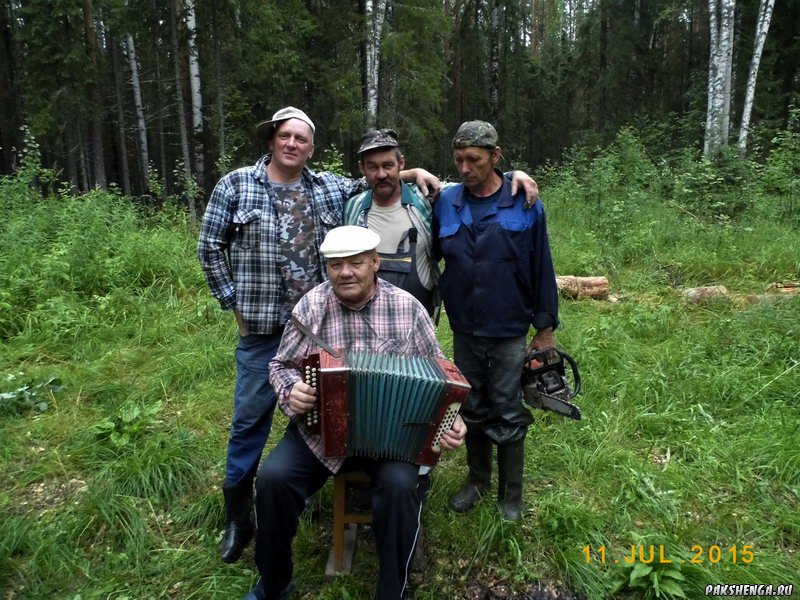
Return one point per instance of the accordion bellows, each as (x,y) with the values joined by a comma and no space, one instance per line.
(384,405)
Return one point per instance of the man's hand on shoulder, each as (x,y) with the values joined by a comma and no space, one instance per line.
(428,184)
(531,188)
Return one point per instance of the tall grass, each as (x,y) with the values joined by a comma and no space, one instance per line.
(688,436)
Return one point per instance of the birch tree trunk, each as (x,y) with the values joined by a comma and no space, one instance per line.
(726,39)
(720,66)
(762,27)
(197,98)
(711,141)
(375,13)
(141,123)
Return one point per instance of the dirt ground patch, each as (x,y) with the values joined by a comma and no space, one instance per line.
(543,590)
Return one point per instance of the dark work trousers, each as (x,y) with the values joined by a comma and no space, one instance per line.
(493,367)
(291,473)
(253,406)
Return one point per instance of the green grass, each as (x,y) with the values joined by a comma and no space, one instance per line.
(689,435)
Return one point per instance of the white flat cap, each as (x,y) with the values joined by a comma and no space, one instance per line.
(349,240)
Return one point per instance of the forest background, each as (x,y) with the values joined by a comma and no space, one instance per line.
(115,364)
(119,92)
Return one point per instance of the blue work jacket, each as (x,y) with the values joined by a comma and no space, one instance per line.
(498,277)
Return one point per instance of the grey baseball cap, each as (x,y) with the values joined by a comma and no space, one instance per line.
(476,133)
(265,130)
(378,138)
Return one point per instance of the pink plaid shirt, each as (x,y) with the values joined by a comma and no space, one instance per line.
(392,321)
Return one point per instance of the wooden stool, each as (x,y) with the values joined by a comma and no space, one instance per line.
(345,522)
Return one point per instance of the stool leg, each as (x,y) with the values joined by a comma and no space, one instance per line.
(339,507)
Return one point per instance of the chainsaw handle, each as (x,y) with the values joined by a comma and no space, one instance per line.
(542,355)
(575,374)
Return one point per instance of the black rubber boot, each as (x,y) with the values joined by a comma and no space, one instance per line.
(239,523)
(510,464)
(259,593)
(479,461)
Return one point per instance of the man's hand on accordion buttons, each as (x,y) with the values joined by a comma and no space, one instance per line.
(302,397)
(455,436)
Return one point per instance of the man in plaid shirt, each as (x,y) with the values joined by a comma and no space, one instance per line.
(353,310)
(259,248)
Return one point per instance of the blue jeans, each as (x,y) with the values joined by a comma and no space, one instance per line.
(253,406)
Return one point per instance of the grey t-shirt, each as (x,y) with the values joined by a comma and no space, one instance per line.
(391,223)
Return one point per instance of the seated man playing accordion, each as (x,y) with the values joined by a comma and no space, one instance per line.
(353,311)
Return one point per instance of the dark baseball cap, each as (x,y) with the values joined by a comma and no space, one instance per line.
(476,133)
(378,138)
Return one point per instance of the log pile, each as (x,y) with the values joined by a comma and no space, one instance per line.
(781,287)
(706,293)
(597,288)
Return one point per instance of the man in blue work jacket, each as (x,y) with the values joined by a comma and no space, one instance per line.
(498,281)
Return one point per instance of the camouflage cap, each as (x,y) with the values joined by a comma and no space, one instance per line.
(378,138)
(476,133)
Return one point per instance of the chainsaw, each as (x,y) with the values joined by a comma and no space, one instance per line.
(544,382)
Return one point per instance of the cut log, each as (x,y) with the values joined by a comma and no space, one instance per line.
(577,288)
(702,294)
(784,287)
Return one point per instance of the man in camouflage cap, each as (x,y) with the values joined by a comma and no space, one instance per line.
(476,133)
(498,281)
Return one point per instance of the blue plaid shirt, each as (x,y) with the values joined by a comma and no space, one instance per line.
(239,247)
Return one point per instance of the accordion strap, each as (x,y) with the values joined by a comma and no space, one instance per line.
(314,337)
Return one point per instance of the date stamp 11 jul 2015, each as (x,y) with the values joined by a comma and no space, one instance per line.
(657,553)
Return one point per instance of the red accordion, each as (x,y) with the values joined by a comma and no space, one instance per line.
(383,405)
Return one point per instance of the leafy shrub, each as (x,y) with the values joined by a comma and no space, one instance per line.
(782,169)
(332,161)
(28,396)
(656,580)
(781,175)
(128,424)
(720,190)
